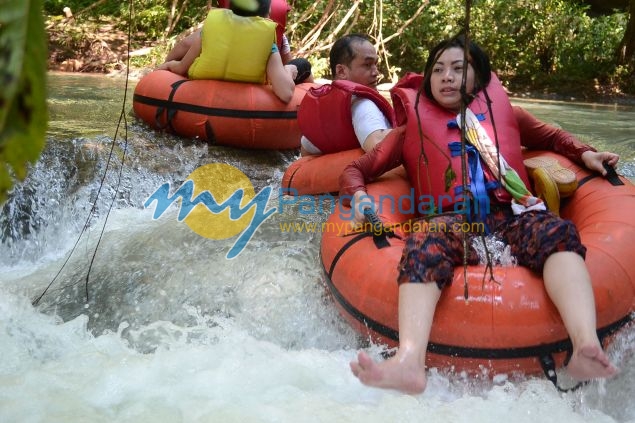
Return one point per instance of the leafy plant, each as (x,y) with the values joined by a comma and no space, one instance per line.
(530,42)
(23,112)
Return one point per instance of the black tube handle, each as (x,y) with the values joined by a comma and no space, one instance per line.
(379,231)
(611,174)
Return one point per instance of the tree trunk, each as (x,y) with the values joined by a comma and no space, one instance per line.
(626,49)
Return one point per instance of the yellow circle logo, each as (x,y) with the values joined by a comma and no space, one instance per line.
(224,215)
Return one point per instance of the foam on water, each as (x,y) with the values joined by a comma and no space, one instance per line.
(197,338)
(213,370)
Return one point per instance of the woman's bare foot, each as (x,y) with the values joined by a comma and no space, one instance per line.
(403,374)
(590,362)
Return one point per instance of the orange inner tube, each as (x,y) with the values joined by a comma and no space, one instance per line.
(507,324)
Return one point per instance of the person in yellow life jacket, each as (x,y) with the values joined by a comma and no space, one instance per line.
(237,44)
(278,13)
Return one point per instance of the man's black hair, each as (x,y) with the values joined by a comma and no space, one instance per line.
(342,53)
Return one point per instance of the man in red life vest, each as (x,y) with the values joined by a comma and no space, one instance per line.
(349,113)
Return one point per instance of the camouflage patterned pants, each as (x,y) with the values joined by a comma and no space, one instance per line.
(533,236)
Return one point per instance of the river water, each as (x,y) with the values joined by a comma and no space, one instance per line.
(158,326)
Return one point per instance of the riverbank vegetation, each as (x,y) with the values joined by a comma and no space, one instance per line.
(540,46)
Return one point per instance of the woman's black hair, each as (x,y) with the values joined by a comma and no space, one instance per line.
(342,53)
(262,10)
(477,57)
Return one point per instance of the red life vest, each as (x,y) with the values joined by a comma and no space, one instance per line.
(278,14)
(279,11)
(438,125)
(325,117)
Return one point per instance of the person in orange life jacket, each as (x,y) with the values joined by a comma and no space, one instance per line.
(538,239)
(352,58)
(280,76)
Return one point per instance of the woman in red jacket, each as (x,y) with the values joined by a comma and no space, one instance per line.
(540,240)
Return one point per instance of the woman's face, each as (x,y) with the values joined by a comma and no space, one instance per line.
(445,80)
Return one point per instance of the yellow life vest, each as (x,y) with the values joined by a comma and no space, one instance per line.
(234,48)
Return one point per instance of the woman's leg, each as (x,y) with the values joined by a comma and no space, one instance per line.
(546,243)
(405,371)
(568,284)
(428,256)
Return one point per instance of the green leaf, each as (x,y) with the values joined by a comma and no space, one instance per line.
(449,176)
(23,112)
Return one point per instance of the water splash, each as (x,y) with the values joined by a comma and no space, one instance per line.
(499,252)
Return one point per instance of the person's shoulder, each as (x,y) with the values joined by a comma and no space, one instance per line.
(358,101)
(363,103)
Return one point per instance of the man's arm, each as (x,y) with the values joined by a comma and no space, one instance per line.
(374,138)
(369,123)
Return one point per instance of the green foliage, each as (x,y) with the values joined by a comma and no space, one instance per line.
(151,17)
(320,67)
(96,7)
(56,7)
(152,21)
(528,41)
(23,112)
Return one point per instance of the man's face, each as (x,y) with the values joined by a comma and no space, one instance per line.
(363,67)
